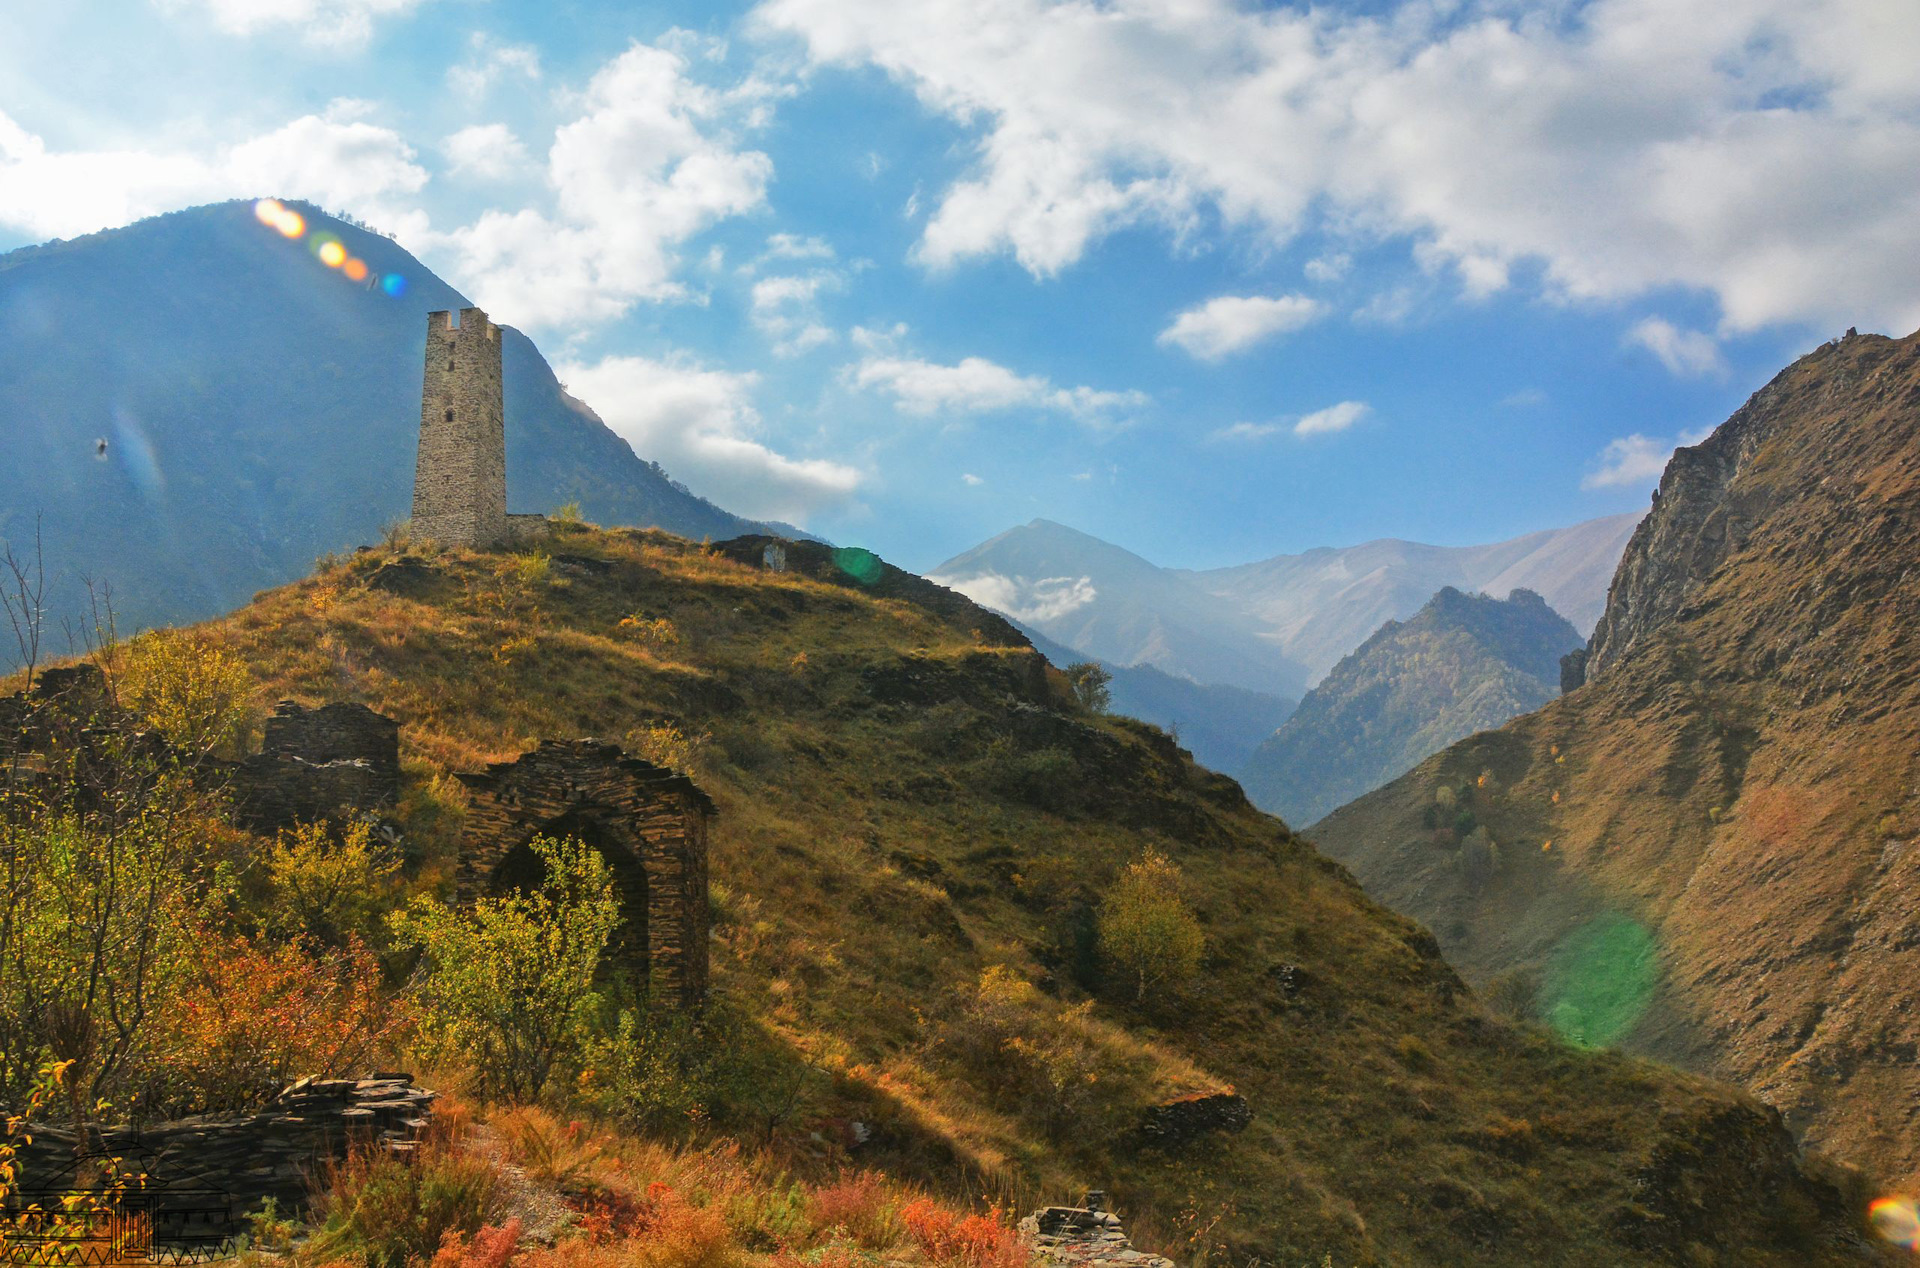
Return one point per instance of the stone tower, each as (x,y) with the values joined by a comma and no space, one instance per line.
(460,481)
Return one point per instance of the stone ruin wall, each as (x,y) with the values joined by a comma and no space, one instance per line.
(317,763)
(652,820)
(460,478)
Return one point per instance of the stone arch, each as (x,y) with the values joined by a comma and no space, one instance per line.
(594,827)
(649,823)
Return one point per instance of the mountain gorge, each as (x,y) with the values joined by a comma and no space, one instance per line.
(1722,820)
(1463,663)
(193,408)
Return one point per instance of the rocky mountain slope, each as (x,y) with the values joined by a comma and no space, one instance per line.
(1463,663)
(908,799)
(1220,726)
(258,410)
(1276,625)
(1724,821)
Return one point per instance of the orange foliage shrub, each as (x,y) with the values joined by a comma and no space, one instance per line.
(861,1206)
(491,1247)
(252,1016)
(964,1241)
(663,1230)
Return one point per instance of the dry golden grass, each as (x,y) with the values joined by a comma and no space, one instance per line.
(902,806)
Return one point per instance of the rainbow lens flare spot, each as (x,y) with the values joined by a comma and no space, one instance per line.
(394,285)
(859,563)
(1897,1220)
(1601,980)
(278,216)
(355,269)
(332,254)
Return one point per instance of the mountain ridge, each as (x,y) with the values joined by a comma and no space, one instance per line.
(1735,783)
(1462,663)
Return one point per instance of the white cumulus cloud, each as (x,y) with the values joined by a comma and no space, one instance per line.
(337,159)
(701,424)
(975,385)
(489,62)
(1034,601)
(649,163)
(1331,419)
(1636,461)
(1759,151)
(334,23)
(488,151)
(1689,353)
(786,308)
(1230,323)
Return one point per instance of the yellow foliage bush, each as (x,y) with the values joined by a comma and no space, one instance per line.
(1146,930)
(197,695)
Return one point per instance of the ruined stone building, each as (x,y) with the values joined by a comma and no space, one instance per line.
(647,822)
(318,764)
(460,478)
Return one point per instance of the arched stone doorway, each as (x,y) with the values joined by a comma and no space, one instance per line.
(649,823)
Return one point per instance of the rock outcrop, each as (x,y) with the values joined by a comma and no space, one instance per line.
(1085,1236)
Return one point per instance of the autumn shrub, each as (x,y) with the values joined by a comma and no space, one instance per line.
(253,1015)
(665,744)
(962,1241)
(491,1247)
(657,634)
(195,694)
(332,891)
(566,1155)
(95,908)
(387,1212)
(660,1230)
(1036,1058)
(862,1206)
(1147,933)
(508,984)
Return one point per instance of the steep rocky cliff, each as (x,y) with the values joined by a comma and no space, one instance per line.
(1463,663)
(1710,851)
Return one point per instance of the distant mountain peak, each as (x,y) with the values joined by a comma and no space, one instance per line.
(1462,663)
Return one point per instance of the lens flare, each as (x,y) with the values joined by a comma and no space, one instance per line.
(1601,981)
(1897,1220)
(332,254)
(394,285)
(862,565)
(355,269)
(278,216)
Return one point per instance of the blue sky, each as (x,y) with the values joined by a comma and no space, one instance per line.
(1209,280)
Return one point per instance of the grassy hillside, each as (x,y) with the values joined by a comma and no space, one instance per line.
(1725,815)
(1463,663)
(907,800)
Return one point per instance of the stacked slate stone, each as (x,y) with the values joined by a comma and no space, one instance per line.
(1087,1236)
(206,1173)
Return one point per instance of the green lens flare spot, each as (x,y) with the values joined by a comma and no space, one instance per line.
(862,565)
(1601,981)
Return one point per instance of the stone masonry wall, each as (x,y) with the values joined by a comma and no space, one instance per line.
(460,480)
(316,763)
(1086,1236)
(649,822)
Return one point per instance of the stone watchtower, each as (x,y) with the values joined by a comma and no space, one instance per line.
(460,482)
